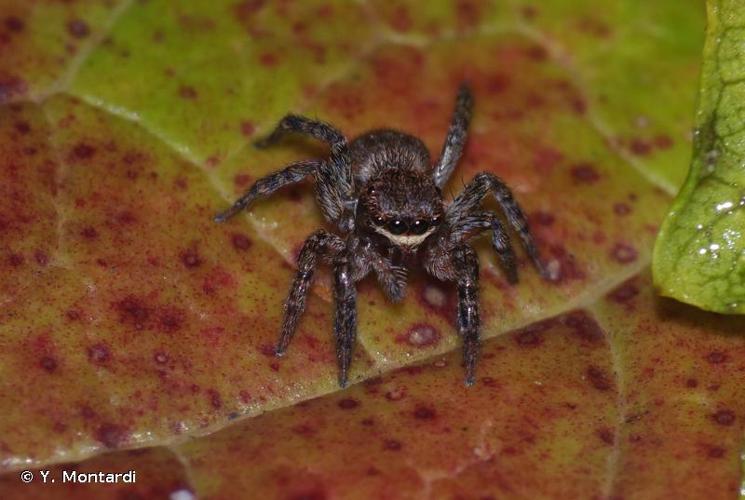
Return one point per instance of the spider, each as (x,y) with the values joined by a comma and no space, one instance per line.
(384,196)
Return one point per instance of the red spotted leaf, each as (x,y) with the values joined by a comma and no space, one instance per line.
(139,335)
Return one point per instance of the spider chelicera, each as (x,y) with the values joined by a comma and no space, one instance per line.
(384,196)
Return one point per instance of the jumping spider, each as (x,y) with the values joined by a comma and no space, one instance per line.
(385,197)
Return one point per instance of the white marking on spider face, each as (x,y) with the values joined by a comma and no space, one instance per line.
(407,240)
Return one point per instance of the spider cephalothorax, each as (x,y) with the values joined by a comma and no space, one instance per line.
(384,195)
(402,205)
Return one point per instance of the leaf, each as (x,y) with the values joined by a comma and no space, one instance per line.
(130,320)
(698,256)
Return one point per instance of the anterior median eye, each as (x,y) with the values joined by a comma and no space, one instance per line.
(419,227)
(397,227)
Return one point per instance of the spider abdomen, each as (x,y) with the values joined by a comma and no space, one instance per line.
(378,150)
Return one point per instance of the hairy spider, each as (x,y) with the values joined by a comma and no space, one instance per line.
(385,197)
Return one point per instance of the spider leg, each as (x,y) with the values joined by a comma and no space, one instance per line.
(267,185)
(448,260)
(319,244)
(345,322)
(334,182)
(465,227)
(300,124)
(466,264)
(456,138)
(471,198)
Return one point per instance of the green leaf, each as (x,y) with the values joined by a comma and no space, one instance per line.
(699,255)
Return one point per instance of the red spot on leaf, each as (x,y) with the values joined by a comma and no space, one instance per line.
(437,299)
(248,8)
(624,253)
(594,27)
(621,209)
(563,267)
(187,92)
(546,158)
(584,326)
(241,241)
(498,83)
(16,259)
(420,335)
(78,28)
(48,363)
(11,87)
(624,293)
(468,13)
(14,24)
(606,435)
(348,404)
(392,445)
(268,59)
(401,19)
(304,430)
(424,413)
(99,354)
(41,258)
(22,127)
(247,128)
(190,258)
(716,357)
(111,435)
(724,417)
(541,218)
(395,394)
(530,336)
(214,398)
(640,147)
(83,151)
(598,378)
(663,141)
(537,53)
(585,173)
(133,310)
(529,12)
(87,412)
(170,319)
(89,233)
(242,180)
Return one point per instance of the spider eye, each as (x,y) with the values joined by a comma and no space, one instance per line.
(419,227)
(379,221)
(436,221)
(397,227)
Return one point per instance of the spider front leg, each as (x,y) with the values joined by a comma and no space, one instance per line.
(345,322)
(319,244)
(267,185)
(466,264)
(468,201)
(447,261)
